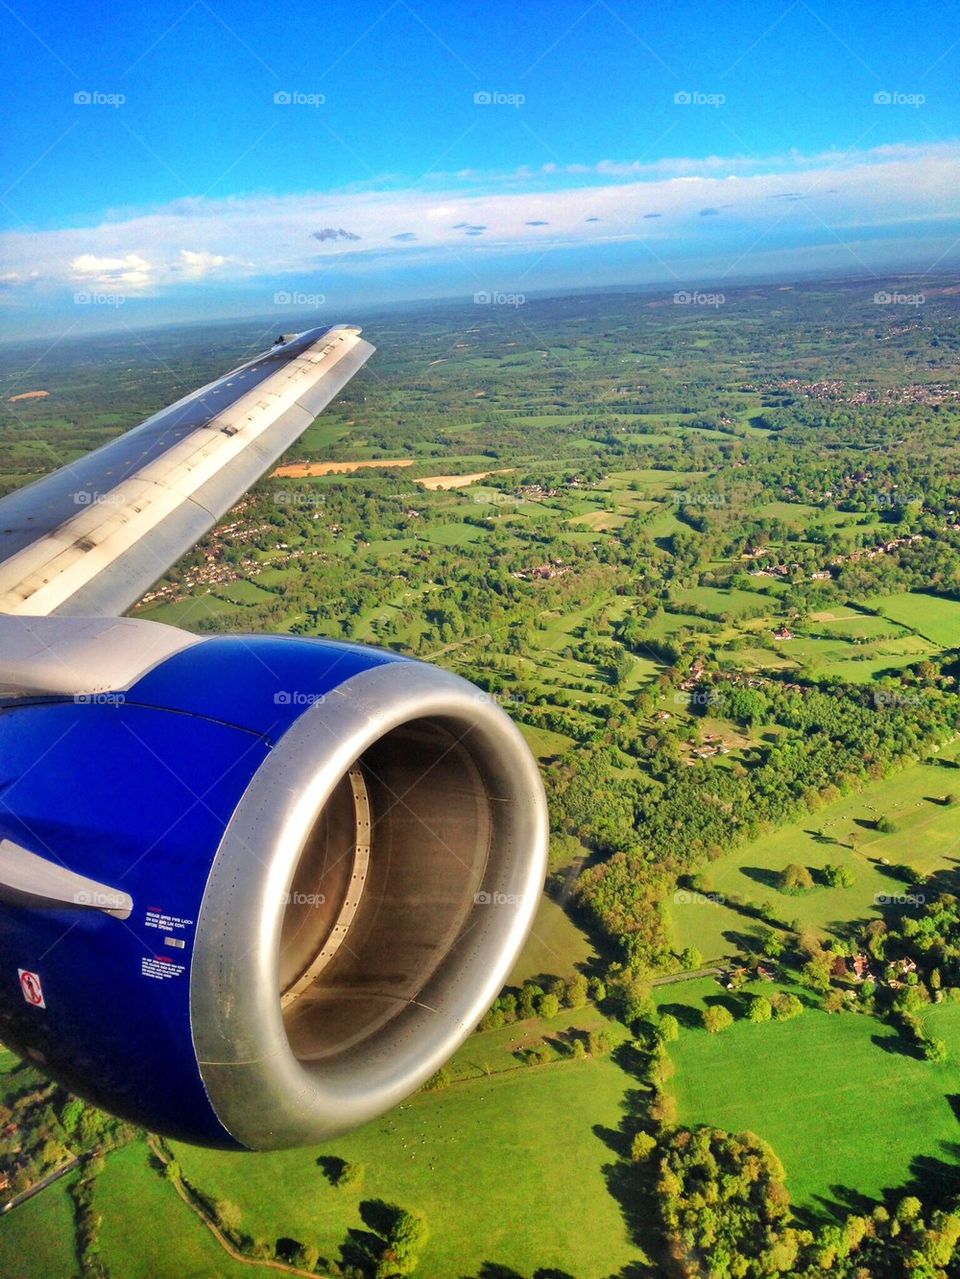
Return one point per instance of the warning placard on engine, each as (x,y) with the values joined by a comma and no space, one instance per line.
(160,968)
(169,923)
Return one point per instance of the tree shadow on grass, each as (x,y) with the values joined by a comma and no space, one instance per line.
(934,1181)
(937,1181)
(614,1139)
(834,1208)
(733,1004)
(332,1167)
(820,837)
(625,1184)
(378,1215)
(493,1270)
(897,1045)
(685,1015)
(762,875)
(360,1251)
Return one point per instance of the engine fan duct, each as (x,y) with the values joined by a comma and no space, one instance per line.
(366,906)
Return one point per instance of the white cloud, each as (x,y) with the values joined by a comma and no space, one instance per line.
(258,236)
(198,264)
(132,269)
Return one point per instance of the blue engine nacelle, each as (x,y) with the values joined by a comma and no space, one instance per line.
(262,892)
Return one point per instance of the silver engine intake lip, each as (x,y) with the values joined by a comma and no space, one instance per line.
(435,897)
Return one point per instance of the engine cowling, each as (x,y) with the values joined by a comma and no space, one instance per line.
(260,894)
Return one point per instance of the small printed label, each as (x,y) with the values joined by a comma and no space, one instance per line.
(31,988)
(177,942)
(169,923)
(161,967)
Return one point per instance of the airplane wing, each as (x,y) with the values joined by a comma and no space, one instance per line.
(92,538)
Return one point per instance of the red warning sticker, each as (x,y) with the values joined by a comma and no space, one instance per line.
(31,988)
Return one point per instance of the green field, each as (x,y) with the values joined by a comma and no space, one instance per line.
(481,1160)
(843,1107)
(555,945)
(933,616)
(732,602)
(36,1239)
(130,1191)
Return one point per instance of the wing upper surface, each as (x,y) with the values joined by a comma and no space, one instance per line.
(91,538)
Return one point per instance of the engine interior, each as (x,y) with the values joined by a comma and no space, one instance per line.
(385,885)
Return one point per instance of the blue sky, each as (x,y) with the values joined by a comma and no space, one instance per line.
(194,158)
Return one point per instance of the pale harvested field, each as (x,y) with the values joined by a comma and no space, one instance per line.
(28,395)
(304,470)
(458,481)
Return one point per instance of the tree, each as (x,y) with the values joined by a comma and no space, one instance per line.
(786,1006)
(548,1006)
(724,1206)
(406,1240)
(935,1050)
(576,991)
(795,879)
(771,943)
(352,1174)
(527,1003)
(838,876)
(817,971)
(642,1147)
(717,1018)
(668,1028)
(760,1010)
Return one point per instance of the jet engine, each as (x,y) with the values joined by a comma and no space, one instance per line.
(254,891)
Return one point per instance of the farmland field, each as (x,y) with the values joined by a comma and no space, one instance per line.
(927,838)
(932,616)
(862,1114)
